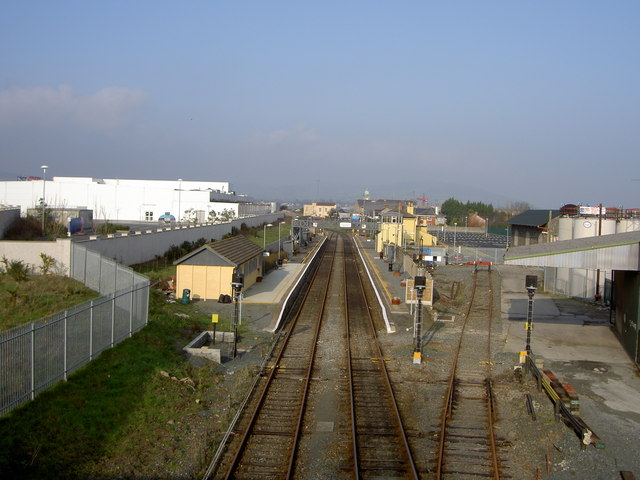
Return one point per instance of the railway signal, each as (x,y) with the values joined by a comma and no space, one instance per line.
(419,283)
(531,284)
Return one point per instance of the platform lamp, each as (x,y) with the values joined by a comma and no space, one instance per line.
(280,223)
(531,284)
(264,236)
(44,182)
(419,283)
(455,232)
(179,201)
(237,282)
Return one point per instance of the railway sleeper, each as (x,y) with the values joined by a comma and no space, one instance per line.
(472,475)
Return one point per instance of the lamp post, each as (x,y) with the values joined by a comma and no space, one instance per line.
(531,283)
(237,282)
(44,182)
(281,223)
(264,236)
(179,200)
(455,232)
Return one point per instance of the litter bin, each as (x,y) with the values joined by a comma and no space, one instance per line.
(391,266)
(185,296)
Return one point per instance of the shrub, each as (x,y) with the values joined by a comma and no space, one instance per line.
(47,263)
(16,269)
(109,228)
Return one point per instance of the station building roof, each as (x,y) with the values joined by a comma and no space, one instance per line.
(533,218)
(620,251)
(232,252)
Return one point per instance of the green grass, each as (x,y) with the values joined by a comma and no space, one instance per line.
(37,297)
(119,415)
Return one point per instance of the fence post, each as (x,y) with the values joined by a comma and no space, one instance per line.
(100,274)
(91,332)
(113,317)
(66,316)
(33,361)
(133,283)
(84,270)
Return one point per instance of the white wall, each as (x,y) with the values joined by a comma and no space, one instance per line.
(125,249)
(29,252)
(138,248)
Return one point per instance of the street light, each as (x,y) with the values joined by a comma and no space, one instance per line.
(281,223)
(455,231)
(179,200)
(237,282)
(264,236)
(44,182)
(531,284)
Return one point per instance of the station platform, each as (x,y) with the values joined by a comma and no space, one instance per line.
(388,283)
(274,285)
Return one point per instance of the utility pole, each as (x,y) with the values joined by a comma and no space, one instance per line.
(44,182)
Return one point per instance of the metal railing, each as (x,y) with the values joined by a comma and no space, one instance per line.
(35,356)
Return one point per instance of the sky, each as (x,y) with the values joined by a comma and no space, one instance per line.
(493,101)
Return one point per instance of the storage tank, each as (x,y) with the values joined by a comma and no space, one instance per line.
(565,228)
(608,226)
(585,227)
(628,225)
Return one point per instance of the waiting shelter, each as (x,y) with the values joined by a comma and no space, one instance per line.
(207,271)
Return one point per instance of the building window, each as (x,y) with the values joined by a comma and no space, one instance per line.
(148,216)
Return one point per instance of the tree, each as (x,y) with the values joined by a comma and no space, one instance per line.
(454,210)
(190,216)
(227,215)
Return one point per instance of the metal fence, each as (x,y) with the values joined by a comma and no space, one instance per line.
(35,356)
(471,254)
(100,273)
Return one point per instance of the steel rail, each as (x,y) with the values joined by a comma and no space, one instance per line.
(270,377)
(453,381)
(385,375)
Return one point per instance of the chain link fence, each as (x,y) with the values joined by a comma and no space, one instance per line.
(35,356)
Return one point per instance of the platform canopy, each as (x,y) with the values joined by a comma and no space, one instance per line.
(620,251)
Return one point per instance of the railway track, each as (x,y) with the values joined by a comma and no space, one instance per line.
(467,445)
(274,435)
(379,443)
(269,435)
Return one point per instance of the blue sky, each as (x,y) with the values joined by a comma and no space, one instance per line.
(496,101)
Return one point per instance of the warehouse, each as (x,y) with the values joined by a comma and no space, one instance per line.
(615,256)
(123,200)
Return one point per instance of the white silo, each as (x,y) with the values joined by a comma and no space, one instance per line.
(584,227)
(608,226)
(628,225)
(565,228)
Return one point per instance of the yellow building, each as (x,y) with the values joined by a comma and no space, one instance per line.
(398,228)
(319,209)
(207,271)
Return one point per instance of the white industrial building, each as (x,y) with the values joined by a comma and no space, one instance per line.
(122,200)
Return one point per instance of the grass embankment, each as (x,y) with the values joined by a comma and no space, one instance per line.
(139,410)
(37,297)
